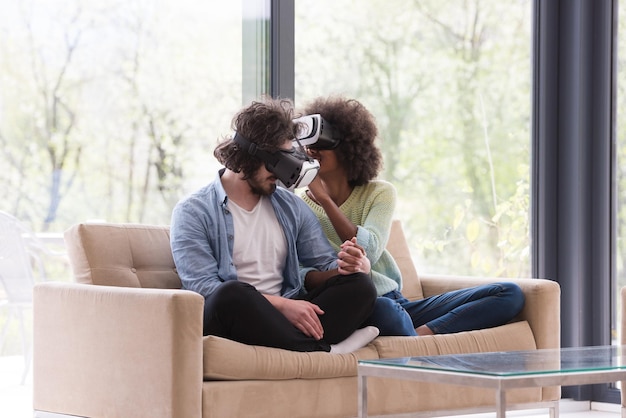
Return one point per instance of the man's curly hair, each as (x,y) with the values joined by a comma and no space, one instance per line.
(268,123)
(355,124)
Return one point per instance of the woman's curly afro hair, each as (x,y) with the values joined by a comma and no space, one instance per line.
(357,151)
(267,123)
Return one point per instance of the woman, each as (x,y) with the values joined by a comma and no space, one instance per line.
(352,204)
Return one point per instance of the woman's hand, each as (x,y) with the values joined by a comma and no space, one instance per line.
(352,258)
(317,190)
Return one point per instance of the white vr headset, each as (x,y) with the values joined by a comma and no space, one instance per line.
(314,132)
(293,168)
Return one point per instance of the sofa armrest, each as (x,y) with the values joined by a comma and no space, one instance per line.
(542,309)
(117,351)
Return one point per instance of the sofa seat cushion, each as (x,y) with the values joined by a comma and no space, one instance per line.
(225,359)
(510,337)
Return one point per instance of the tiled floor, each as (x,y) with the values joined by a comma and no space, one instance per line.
(16,399)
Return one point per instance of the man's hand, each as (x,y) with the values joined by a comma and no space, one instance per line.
(352,258)
(302,314)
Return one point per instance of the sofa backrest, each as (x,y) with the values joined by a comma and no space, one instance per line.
(129,255)
(399,250)
(138,255)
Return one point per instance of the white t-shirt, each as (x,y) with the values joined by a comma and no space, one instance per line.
(260,247)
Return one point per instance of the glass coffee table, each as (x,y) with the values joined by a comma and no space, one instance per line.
(502,370)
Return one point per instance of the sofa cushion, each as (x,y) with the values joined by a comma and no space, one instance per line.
(130,255)
(225,359)
(510,337)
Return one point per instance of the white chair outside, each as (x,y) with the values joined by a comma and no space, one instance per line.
(20,266)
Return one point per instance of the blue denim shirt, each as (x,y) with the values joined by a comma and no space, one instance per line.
(202,234)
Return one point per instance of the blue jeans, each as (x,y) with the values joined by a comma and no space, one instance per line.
(468,309)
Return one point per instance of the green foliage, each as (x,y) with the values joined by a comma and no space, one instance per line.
(449,84)
(111,111)
(620,167)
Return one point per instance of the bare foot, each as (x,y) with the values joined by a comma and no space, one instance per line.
(424,330)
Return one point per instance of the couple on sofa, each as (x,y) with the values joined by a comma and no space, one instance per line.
(309,272)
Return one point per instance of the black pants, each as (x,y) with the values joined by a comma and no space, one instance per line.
(237,311)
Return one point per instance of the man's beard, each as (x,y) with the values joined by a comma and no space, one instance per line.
(259,190)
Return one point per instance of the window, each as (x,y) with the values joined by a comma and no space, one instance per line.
(111,110)
(620,172)
(449,84)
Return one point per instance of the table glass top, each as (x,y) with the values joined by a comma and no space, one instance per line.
(516,363)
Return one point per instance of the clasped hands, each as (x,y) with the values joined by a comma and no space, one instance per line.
(352,258)
(304,315)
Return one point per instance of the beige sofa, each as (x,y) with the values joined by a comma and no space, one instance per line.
(132,345)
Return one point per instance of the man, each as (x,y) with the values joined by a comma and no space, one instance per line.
(257,253)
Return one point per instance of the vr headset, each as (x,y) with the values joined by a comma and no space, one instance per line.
(293,167)
(315,133)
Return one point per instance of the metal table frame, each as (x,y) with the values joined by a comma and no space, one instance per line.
(500,383)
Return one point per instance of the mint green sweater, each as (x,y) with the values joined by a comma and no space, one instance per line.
(371,208)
